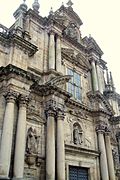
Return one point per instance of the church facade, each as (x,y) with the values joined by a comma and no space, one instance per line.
(59,111)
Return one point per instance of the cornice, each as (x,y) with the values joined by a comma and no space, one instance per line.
(78,150)
(76,60)
(75,43)
(46,90)
(41,20)
(73,104)
(13,70)
(11,39)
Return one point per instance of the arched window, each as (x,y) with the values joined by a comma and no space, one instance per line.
(77,134)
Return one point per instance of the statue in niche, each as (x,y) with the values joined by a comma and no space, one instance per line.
(77,134)
(31,141)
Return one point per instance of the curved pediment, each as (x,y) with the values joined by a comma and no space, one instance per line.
(79,59)
(100,103)
(68,15)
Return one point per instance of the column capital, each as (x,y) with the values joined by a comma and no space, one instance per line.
(52,32)
(23,100)
(50,112)
(60,115)
(11,96)
(107,131)
(100,128)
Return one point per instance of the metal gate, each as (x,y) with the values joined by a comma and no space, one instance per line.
(78,173)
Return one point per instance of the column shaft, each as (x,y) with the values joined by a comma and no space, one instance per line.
(58,54)
(20,140)
(60,149)
(103,158)
(99,78)
(109,157)
(94,77)
(50,148)
(51,52)
(6,140)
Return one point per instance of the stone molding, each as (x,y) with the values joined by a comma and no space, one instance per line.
(60,115)
(23,100)
(98,97)
(100,128)
(13,70)
(11,96)
(12,38)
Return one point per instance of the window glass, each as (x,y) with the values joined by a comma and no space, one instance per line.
(74,85)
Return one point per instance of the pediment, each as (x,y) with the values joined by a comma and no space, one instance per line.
(67,15)
(100,103)
(78,59)
(59,80)
(92,45)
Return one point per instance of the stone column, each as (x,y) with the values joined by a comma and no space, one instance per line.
(94,76)
(109,156)
(51,52)
(99,78)
(50,145)
(60,147)
(58,54)
(20,139)
(103,159)
(7,133)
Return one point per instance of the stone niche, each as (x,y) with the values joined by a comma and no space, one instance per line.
(35,150)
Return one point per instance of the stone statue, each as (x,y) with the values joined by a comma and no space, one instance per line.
(77,135)
(32,141)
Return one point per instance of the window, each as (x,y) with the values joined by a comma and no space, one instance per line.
(74,85)
(78,173)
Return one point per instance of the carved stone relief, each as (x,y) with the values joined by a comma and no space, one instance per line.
(115,158)
(34,144)
(75,132)
(71,31)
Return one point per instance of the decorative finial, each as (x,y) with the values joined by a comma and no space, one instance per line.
(62,3)
(23,5)
(36,6)
(111,82)
(51,11)
(108,79)
(70,3)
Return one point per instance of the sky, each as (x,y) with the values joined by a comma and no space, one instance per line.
(100,19)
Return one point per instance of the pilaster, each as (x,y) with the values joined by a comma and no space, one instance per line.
(51,63)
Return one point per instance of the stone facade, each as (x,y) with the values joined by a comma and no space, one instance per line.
(53,123)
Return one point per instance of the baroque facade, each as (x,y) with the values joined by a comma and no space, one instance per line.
(59,111)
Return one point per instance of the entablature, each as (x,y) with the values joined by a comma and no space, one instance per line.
(12,38)
(73,149)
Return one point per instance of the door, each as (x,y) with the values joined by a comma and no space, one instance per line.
(78,173)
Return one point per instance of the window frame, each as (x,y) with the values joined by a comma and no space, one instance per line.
(76,90)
